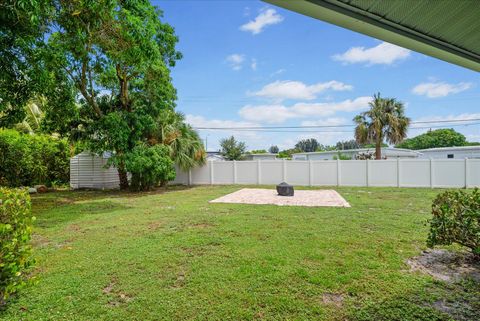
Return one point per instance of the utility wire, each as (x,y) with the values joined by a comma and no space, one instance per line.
(329,131)
(259,128)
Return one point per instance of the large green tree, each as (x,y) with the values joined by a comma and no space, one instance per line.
(23,24)
(273,149)
(435,138)
(384,121)
(232,149)
(307,145)
(348,144)
(117,56)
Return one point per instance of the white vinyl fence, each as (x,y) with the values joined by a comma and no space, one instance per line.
(394,172)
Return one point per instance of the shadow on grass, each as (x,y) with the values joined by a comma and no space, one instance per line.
(62,215)
(437,301)
(42,202)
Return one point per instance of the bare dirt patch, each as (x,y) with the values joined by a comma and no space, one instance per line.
(155,225)
(40,241)
(446,266)
(116,298)
(201,225)
(333,299)
(310,198)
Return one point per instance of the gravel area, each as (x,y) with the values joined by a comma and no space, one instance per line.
(269,196)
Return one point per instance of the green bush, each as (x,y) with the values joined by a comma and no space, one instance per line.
(15,229)
(27,160)
(456,219)
(149,166)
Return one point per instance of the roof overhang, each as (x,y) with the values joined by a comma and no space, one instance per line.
(451,31)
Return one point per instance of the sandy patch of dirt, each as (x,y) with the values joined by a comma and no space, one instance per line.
(333,299)
(310,198)
(446,266)
(155,225)
(116,298)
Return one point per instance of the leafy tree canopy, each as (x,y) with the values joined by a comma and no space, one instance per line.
(274,149)
(435,138)
(384,121)
(287,153)
(22,27)
(232,149)
(307,145)
(348,144)
(186,147)
(107,66)
(258,151)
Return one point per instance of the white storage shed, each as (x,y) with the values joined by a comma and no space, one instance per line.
(88,170)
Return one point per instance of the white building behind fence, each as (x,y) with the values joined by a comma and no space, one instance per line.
(387,152)
(459,152)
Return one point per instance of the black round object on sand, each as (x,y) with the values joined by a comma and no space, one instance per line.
(284,189)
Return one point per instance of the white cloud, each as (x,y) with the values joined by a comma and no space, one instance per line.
(235,61)
(384,53)
(332,121)
(440,89)
(265,18)
(253,64)
(267,113)
(279,113)
(287,89)
(448,117)
(202,122)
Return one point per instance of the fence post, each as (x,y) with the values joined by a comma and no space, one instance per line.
(431,173)
(367,172)
(310,173)
(234,172)
(259,172)
(466,172)
(284,170)
(189,178)
(338,172)
(211,172)
(398,171)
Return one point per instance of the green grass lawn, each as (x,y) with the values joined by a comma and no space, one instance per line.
(174,256)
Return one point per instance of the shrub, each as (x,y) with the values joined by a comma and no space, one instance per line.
(15,228)
(341,156)
(27,160)
(149,165)
(456,219)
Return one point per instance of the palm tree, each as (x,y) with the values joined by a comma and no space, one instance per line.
(385,120)
(33,116)
(186,147)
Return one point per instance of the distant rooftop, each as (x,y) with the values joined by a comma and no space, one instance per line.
(474,147)
(361,150)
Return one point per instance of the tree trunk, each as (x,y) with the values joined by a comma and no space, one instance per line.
(378,149)
(122,176)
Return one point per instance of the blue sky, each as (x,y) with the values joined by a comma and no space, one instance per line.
(248,63)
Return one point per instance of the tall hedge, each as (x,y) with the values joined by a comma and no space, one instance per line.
(15,231)
(27,160)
